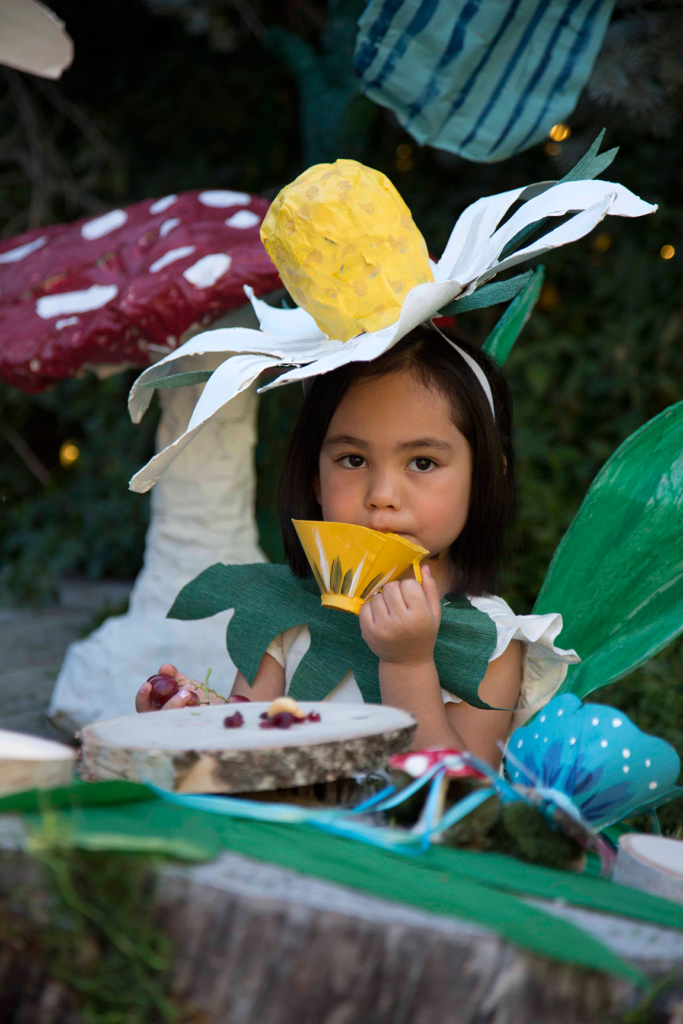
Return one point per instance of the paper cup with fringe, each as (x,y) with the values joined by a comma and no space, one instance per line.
(352,563)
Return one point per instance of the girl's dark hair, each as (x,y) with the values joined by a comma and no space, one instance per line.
(478,552)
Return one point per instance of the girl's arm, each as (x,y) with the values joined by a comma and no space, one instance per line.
(268,684)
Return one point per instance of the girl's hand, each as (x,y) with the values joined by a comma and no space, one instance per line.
(401,623)
(180,700)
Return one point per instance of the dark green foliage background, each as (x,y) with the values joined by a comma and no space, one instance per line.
(602,355)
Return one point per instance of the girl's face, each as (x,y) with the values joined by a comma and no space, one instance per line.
(394,460)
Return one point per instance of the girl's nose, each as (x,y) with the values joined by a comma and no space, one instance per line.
(383,493)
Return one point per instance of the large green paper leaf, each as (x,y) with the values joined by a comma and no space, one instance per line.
(439,887)
(617,574)
(503,336)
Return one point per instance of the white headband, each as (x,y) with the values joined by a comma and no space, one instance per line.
(474,367)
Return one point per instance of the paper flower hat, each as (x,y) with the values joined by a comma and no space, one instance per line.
(352,258)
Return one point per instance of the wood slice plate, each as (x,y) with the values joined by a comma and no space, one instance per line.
(651,863)
(190,750)
(31,762)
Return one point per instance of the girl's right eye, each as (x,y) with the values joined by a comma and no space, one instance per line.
(352,461)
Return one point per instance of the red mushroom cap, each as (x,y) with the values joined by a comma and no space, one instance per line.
(417,762)
(99,290)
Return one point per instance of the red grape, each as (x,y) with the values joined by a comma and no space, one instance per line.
(233,721)
(192,700)
(236,699)
(163,688)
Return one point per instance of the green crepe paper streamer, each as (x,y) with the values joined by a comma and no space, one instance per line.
(488,295)
(159,827)
(179,380)
(504,335)
(617,574)
(589,166)
(268,600)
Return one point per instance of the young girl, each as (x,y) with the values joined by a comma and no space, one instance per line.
(409,444)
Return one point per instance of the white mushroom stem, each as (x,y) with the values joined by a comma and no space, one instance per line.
(202,511)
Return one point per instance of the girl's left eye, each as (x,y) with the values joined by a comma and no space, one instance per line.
(422,464)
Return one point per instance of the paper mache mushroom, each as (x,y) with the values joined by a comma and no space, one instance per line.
(118,290)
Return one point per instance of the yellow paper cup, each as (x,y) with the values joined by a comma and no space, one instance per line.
(352,563)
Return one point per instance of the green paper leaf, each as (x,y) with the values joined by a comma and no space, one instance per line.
(178,380)
(617,574)
(80,794)
(268,599)
(488,295)
(445,882)
(503,336)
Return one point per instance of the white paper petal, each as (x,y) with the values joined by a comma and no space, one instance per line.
(555,202)
(473,227)
(283,321)
(233,376)
(223,339)
(579,225)
(420,304)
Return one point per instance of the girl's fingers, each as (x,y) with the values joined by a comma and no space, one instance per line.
(431,591)
(394,599)
(179,701)
(142,701)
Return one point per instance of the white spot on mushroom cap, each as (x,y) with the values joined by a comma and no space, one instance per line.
(222,198)
(34,365)
(652,785)
(626,752)
(206,271)
(603,743)
(103,225)
(170,257)
(625,769)
(66,323)
(95,297)
(416,765)
(168,225)
(22,251)
(616,722)
(595,721)
(159,205)
(648,762)
(243,219)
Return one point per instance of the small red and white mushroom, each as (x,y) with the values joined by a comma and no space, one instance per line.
(118,290)
(417,762)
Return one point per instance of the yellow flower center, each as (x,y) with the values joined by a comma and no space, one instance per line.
(346,247)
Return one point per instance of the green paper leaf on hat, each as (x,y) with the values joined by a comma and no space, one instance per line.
(617,574)
(178,380)
(488,295)
(503,336)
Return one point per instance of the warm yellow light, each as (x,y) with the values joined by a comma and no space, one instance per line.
(404,150)
(602,242)
(68,453)
(549,298)
(667,251)
(552,149)
(560,132)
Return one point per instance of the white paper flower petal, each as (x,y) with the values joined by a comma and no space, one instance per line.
(579,226)
(223,339)
(473,227)
(420,304)
(283,321)
(218,391)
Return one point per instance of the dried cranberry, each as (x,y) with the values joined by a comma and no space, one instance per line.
(313,716)
(234,721)
(264,715)
(282,720)
(236,699)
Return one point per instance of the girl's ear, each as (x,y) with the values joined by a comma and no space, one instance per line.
(316,488)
